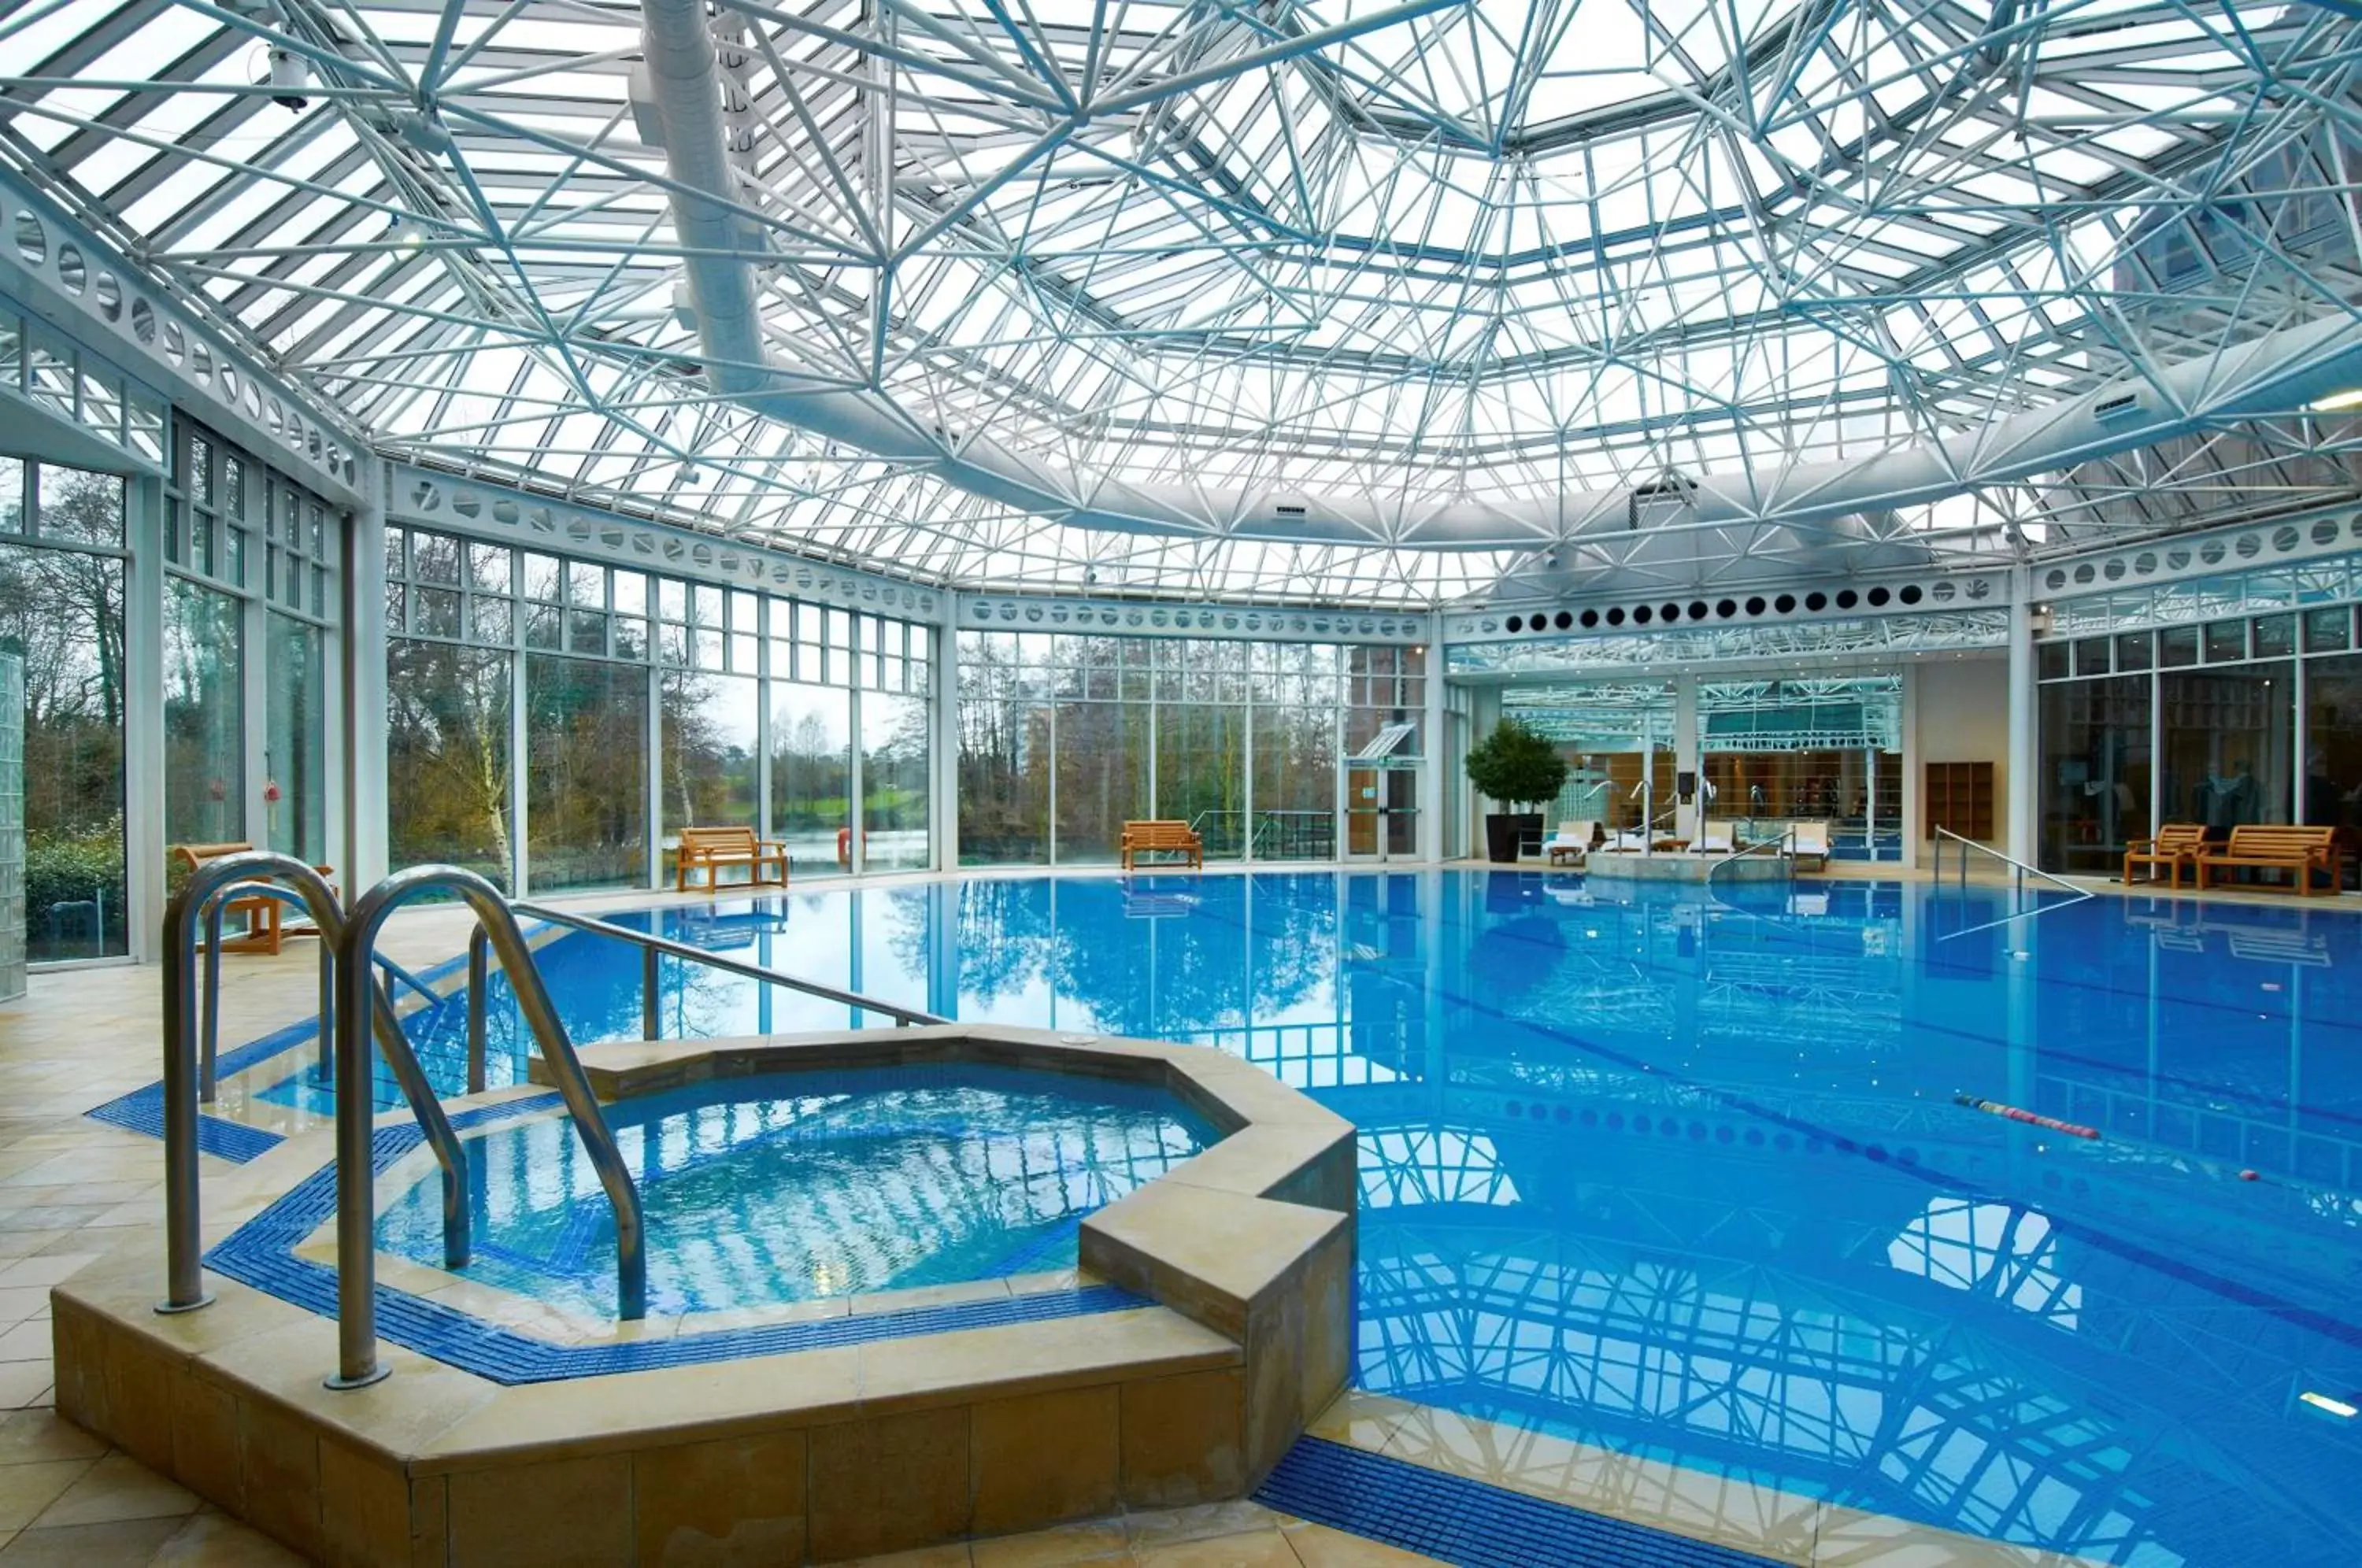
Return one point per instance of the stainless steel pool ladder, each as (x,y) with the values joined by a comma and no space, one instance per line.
(188,1079)
(653,949)
(356,1362)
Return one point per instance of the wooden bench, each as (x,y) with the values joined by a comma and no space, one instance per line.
(2176,845)
(1162,838)
(265,917)
(2300,850)
(714,847)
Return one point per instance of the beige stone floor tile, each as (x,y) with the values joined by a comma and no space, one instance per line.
(213,1540)
(55,1269)
(126,1543)
(21,1302)
(28,1341)
(31,1436)
(955,1555)
(1266,1548)
(27,1489)
(1100,1542)
(1157,1528)
(117,1487)
(1317,1546)
(23,1383)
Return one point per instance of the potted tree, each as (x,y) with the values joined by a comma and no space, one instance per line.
(1514,765)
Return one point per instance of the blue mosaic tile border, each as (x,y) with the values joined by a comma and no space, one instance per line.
(261,1254)
(1468,1522)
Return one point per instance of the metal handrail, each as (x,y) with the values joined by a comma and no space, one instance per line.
(356,1362)
(206,890)
(652,945)
(1965,845)
(209,1042)
(209,1045)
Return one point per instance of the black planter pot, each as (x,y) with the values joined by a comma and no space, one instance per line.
(1502,832)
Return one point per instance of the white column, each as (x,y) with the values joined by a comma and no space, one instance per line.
(362,667)
(854,798)
(1435,785)
(2024,765)
(143,715)
(1685,756)
(943,739)
(1914,808)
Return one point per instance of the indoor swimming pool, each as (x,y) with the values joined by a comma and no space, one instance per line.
(1693,1178)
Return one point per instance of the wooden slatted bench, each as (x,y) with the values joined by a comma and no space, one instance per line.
(265,917)
(1162,838)
(714,847)
(2176,845)
(2298,850)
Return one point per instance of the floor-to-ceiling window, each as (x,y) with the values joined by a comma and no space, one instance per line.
(811,776)
(1066,737)
(2093,783)
(586,750)
(587,657)
(249,600)
(1296,694)
(61,607)
(1003,728)
(2195,722)
(894,784)
(1818,748)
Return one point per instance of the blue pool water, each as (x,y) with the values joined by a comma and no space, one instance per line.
(761,1191)
(1686,1178)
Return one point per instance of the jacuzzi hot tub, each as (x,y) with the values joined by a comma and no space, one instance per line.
(785,1188)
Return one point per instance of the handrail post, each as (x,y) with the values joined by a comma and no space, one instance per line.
(651,1010)
(480,977)
(212,1024)
(184,1288)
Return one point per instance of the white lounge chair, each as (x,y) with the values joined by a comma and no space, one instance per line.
(1626,841)
(1713,840)
(1810,840)
(1573,841)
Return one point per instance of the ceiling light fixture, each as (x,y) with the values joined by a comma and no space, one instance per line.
(2338,1407)
(2337,403)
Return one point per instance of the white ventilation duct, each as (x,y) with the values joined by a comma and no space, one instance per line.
(679,105)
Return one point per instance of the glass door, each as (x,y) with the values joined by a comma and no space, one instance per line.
(1382,812)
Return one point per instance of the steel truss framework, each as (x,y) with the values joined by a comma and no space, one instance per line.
(1413,252)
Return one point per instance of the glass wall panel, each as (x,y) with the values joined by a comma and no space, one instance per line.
(1103,777)
(204,715)
(1295,688)
(712,744)
(2093,779)
(295,755)
(62,612)
(1004,781)
(812,774)
(1613,734)
(586,736)
(2333,729)
(447,756)
(894,783)
(1201,774)
(2227,744)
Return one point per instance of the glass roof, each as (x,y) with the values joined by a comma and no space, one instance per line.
(1398,250)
